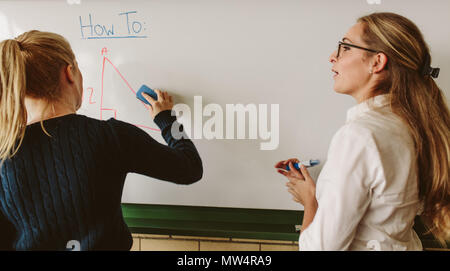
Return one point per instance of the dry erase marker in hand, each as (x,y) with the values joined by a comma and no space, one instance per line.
(308,163)
(148,91)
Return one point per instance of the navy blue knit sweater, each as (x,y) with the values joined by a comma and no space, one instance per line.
(69,186)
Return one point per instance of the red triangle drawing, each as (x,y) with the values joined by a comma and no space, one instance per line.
(132,92)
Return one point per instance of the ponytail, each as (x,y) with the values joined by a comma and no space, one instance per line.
(434,184)
(13,115)
(30,65)
(421,105)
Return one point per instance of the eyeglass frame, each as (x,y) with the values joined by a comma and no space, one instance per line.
(340,43)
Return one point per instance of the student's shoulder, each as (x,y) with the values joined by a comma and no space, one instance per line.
(110,121)
(110,124)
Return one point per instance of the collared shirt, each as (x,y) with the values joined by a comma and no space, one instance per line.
(367,191)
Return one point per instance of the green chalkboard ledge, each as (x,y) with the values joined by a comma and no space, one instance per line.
(260,224)
(212,221)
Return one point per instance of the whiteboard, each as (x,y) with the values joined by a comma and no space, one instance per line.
(256,52)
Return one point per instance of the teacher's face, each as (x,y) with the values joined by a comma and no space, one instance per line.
(351,70)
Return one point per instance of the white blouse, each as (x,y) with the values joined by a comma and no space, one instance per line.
(367,191)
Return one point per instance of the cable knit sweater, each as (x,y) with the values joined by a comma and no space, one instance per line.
(69,186)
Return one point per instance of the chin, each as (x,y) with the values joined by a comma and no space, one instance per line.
(341,90)
(338,89)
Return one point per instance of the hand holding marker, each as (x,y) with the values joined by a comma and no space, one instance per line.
(308,163)
(283,166)
(300,185)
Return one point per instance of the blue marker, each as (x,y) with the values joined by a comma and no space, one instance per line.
(308,163)
(148,91)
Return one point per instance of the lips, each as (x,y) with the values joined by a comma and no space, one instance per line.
(335,73)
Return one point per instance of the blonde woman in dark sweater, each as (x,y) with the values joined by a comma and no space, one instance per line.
(62,174)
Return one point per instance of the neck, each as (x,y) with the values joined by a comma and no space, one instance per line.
(39,109)
(364,95)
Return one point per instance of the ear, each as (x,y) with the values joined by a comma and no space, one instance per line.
(380,62)
(69,73)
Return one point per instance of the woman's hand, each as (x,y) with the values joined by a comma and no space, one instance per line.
(301,186)
(284,163)
(164,102)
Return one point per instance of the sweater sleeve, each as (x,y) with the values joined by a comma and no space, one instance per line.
(178,162)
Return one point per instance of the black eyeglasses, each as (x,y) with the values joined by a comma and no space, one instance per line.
(354,46)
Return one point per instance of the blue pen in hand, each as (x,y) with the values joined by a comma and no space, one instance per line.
(308,163)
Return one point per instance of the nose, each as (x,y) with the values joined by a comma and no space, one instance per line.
(333,57)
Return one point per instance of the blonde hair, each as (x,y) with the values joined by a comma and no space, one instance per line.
(30,65)
(418,101)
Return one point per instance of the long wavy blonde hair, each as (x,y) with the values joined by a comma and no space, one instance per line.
(418,101)
(30,65)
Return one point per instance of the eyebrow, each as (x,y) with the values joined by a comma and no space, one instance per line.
(347,39)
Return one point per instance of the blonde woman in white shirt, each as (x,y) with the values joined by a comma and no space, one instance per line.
(390,161)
